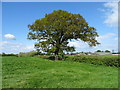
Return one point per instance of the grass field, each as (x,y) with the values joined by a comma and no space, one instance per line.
(34,72)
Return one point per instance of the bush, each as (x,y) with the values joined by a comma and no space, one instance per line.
(96,59)
(27,54)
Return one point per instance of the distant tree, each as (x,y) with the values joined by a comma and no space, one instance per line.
(11,54)
(54,30)
(98,51)
(82,52)
(107,51)
(3,54)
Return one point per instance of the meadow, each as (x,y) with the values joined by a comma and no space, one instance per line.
(36,72)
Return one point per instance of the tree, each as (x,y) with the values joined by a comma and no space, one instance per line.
(54,30)
(98,51)
(3,54)
(70,49)
(107,51)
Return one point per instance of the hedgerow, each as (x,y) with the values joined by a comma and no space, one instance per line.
(96,59)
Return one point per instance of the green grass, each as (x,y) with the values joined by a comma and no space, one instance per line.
(34,72)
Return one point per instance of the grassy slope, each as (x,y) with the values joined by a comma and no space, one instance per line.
(33,72)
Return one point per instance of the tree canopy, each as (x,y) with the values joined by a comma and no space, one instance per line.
(54,30)
(107,51)
(98,51)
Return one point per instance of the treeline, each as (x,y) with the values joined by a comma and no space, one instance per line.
(35,53)
(11,54)
(107,51)
(24,54)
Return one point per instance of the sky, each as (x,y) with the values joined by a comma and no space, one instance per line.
(16,16)
(60,0)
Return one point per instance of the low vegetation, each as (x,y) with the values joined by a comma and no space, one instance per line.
(35,72)
(4,54)
(27,54)
(109,60)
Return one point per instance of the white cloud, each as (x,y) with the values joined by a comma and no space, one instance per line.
(108,42)
(108,35)
(9,47)
(116,38)
(4,42)
(9,36)
(77,44)
(111,14)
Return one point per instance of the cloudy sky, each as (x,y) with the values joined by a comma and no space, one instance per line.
(16,17)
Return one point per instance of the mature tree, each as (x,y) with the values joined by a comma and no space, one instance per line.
(54,30)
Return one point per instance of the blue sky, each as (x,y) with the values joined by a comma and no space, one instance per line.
(17,16)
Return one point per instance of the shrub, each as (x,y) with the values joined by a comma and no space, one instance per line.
(27,54)
(96,59)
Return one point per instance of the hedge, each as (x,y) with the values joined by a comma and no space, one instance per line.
(96,59)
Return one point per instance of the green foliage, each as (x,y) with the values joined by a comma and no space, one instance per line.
(34,72)
(98,51)
(27,54)
(41,54)
(107,51)
(4,54)
(96,59)
(54,30)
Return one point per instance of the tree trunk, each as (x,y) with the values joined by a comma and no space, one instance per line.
(56,57)
(56,54)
